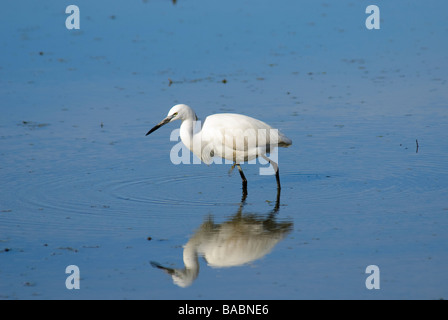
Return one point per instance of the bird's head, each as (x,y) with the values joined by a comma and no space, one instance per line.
(178,112)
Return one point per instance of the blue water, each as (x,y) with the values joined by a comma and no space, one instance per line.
(364,183)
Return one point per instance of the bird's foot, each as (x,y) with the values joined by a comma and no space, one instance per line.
(231,169)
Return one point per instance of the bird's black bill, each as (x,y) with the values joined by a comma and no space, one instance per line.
(164,122)
(159,266)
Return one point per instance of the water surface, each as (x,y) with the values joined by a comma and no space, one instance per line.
(82,185)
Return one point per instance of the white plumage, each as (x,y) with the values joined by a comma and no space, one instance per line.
(230,136)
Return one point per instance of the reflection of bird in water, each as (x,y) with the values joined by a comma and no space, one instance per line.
(242,239)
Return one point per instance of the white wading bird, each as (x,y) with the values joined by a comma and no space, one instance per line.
(234,137)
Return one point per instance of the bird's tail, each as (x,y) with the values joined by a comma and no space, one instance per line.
(283,141)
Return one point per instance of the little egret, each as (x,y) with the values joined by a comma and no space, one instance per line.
(230,136)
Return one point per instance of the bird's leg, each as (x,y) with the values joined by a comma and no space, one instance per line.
(242,177)
(275,166)
(231,169)
(277,201)
(277,177)
(244,197)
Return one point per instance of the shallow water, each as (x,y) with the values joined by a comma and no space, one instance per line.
(364,183)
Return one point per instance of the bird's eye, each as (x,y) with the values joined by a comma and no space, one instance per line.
(174,114)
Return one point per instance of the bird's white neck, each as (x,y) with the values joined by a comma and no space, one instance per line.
(190,257)
(189,130)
